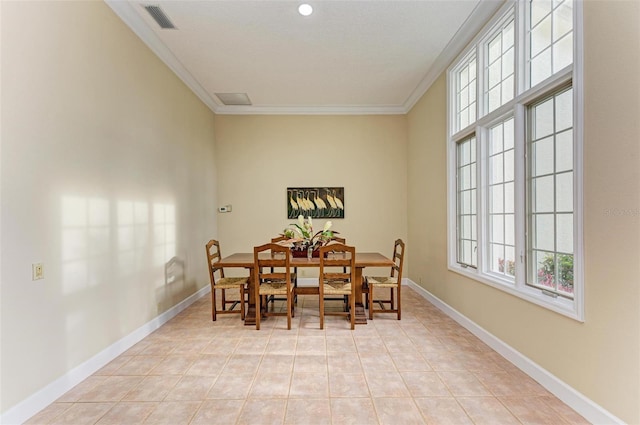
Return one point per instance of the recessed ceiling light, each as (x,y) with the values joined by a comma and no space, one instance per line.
(305,9)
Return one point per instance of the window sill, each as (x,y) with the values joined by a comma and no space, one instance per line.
(563,306)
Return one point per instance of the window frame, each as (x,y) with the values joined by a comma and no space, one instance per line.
(518,108)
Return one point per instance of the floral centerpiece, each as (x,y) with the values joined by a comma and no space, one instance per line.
(302,239)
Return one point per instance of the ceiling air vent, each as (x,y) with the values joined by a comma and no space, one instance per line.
(158,15)
(234,98)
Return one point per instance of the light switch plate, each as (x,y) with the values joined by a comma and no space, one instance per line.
(37,271)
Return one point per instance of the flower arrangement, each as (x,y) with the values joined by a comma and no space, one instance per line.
(301,237)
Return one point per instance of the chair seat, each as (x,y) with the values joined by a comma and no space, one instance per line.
(274,288)
(337,287)
(382,281)
(230,282)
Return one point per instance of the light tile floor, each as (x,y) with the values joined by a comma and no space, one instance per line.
(424,369)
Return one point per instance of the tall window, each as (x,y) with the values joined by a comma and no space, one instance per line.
(515,155)
(550,200)
(466,194)
(501,203)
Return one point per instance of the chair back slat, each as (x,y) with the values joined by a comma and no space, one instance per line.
(337,276)
(336,262)
(213,256)
(337,255)
(273,276)
(270,256)
(398,258)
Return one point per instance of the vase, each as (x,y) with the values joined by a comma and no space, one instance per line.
(302,253)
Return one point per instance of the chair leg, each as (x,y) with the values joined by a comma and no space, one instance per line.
(289,310)
(293,305)
(399,298)
(242,302)
(258,306)
(213,304)
(224,299)
(370,297)
(391,305)
(352,313)
(321,302)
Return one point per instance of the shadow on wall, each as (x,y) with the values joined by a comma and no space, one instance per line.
(175,288)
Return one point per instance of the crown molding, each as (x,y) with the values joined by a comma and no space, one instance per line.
(311,110)
(125,11)
(478,18)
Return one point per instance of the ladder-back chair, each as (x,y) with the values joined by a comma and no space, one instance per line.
(272,271)
(393,281)
(223,283)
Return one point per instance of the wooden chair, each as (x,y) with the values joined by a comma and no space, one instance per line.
(294,279)
(223,283)
(332,282)
(393,281)
(343,241)
(272,271)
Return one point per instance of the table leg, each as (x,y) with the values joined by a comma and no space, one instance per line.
(361,317)
(250,314)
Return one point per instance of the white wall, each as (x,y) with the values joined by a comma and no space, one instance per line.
(107,171)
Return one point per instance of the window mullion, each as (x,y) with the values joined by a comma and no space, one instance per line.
(520,191)
(483,198)
(521,49)
(481,100)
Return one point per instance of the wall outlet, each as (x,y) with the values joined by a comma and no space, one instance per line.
(225,209)
(37,271)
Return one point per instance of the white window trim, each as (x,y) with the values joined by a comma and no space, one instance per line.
(517,107)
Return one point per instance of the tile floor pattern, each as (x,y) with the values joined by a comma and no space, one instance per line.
(424,369)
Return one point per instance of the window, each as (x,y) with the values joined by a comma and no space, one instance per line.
(550,194)
(500,67)
(550,34)
(515,190)
(466,215)
(501,235)
(466,93)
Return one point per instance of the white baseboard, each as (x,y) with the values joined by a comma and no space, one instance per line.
(574,399)
(47,395)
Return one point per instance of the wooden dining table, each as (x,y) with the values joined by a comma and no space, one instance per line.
(363,259)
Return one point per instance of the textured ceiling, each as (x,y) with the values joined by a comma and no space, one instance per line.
(347,57)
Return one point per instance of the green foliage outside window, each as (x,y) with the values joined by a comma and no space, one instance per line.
(547,271)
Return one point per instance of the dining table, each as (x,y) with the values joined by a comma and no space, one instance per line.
(362,260)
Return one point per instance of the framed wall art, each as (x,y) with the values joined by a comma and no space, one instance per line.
(317,202)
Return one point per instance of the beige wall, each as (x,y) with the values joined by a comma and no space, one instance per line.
(600,357)
(92,124)
(260,156)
